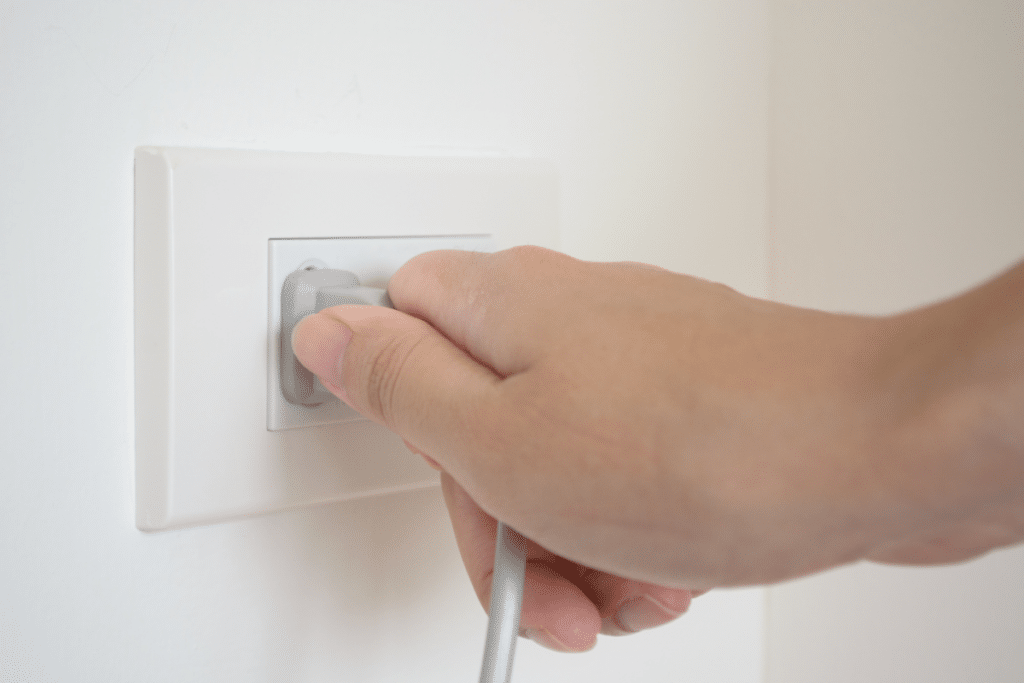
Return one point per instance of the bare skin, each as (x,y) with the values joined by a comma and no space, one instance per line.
(655,435)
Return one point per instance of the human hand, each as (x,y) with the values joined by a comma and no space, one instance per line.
(645,425)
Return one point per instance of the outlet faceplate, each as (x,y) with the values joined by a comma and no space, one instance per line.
(372,260)
(203,222)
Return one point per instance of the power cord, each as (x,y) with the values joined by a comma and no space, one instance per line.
(506,605)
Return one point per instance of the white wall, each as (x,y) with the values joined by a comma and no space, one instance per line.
(897,178)
(655,113)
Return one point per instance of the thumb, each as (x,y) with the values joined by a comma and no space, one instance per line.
(400,372)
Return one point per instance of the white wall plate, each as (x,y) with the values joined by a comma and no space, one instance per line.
(203,224)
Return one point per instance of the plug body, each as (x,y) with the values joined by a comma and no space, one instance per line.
(306,291)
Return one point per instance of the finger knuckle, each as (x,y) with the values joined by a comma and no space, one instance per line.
(384,376)
(524,254)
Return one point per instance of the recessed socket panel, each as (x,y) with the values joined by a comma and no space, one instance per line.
(372,260)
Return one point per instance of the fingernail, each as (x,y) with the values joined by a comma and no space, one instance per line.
(433,464)
(543,637)
(643,613)
(319,342)
(430,461)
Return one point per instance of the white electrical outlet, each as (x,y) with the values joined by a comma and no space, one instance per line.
(372,260)
(206,223)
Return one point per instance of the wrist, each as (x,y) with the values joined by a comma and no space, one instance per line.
(952,377)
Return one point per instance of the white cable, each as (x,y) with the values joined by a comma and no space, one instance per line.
(506,604)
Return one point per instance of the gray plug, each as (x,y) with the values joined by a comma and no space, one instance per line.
(305,292)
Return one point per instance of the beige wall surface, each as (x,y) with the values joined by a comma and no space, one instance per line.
(897,159)
(897,178)
(654,113)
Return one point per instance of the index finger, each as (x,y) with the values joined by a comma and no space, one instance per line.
(488,304)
